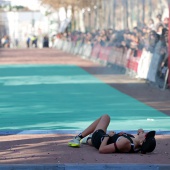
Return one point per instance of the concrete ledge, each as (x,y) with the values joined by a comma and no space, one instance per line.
(86,167)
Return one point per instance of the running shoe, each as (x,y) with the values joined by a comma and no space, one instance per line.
(75,142)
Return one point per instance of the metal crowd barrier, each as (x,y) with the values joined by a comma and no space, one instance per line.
(142,65)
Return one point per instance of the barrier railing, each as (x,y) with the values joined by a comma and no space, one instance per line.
(95,52)
(117,57)
(104,54)
(142,64)
(133,60)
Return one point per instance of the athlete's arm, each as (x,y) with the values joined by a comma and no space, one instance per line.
(123,145)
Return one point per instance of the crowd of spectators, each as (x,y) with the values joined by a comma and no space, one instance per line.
(136,39)
(152,37)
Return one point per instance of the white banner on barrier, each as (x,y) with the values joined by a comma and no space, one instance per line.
(69,47)
(87,50)
(144,64)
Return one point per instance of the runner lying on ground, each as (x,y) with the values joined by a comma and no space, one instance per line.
(95,135)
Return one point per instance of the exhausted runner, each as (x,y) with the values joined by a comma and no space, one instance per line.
(95,135)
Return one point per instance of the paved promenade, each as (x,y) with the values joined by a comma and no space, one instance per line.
(40,150)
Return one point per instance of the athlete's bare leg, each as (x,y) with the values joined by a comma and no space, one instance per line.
(101,123)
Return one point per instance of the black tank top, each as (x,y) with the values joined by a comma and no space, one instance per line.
(114,138)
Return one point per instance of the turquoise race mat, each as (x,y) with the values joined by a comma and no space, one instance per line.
(60,97)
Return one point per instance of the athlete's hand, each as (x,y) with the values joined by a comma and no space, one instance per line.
(111,133)
(140,131)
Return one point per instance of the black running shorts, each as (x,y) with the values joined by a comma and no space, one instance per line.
(97,138)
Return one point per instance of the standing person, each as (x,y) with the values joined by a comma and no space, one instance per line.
(45,41)
(112,142)
(7,42)
(28,42)
(34,41)
(16,42)
(3,41)
(151,24)
(158,22)
(166,22)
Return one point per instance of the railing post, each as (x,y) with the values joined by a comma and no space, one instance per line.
(169,46)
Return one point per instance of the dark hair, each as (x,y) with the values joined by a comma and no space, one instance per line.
(159,16)
(151,20)
(164,31)
(149,143)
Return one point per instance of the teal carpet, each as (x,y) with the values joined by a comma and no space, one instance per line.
(58,97)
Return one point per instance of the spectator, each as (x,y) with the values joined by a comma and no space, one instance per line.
(163,53)
(153,39)
(159,51)
(160,28)
(151,24)
(158,22)
(28,42)
(113,39)
(126,41)
(135,30)
(103,41)
(16,42)
(140,40)
(34,41)
(166,22)
(5,41)
(45,42)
